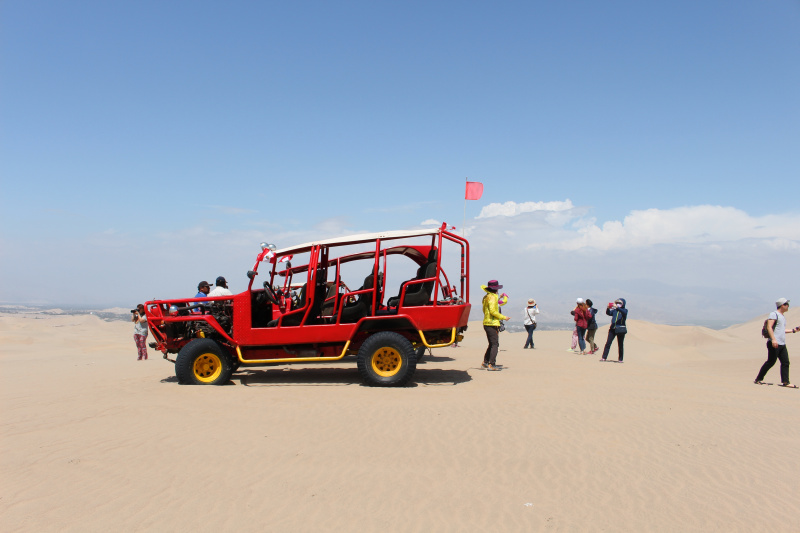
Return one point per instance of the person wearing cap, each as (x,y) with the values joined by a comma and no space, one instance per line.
(581,317)
(221,288)
(491,323)
(776,345)
(529,320)
(203,288)
(618,328)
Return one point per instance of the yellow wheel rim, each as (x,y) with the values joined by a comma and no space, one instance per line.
(386,362)
(207,367)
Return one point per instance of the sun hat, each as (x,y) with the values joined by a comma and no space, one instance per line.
(531,301)
(493,285)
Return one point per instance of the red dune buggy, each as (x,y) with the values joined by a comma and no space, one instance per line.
(305,311)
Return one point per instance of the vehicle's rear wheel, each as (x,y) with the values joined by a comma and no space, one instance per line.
(386,359)
(203,362)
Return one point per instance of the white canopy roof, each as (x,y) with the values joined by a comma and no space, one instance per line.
(357,239)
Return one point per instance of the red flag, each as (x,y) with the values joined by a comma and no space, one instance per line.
(474,190)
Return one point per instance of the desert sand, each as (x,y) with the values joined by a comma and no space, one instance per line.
(678,438)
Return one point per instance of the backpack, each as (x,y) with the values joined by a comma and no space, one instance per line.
(764,332)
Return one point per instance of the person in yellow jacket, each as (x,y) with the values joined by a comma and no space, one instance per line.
(491,323)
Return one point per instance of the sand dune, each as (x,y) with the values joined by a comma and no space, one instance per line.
(676,439)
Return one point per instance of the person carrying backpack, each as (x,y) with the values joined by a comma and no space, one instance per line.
(776,345)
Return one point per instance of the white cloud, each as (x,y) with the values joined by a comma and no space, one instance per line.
(562,226)
(693,224)
(430,222)
(510,209)
(783,245)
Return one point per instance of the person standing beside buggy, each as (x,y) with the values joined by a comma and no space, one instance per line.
(139,320)
(618,329)
(491,323)
(776,345)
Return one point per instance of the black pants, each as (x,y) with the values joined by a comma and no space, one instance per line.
(529,328)
(493,336)
(620,341)
(774,354)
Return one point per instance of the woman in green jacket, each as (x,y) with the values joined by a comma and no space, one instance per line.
(491,323)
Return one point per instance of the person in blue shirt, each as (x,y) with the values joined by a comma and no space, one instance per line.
(203,288)
(618,329)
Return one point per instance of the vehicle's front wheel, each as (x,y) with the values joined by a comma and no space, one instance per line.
(386,359)
(203,362)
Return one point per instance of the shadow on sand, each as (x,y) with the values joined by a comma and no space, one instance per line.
(338,377)
(434,359)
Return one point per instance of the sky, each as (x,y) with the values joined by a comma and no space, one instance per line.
(636,149)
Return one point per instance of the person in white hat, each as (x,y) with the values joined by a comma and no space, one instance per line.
(776,345)
(529,320)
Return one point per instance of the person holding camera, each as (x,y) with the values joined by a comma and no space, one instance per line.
(139,320)
(618,329)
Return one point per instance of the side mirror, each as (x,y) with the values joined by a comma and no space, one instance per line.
(251,274)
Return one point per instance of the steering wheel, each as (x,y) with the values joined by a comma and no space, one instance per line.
(270,293)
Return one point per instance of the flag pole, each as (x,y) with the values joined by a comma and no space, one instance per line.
(464,226)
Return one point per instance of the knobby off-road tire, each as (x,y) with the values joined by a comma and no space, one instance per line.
(203,362)
(386,359)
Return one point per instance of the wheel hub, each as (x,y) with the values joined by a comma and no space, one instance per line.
(386,362)
(207,367)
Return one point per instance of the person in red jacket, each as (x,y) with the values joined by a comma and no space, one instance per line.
(582,318)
